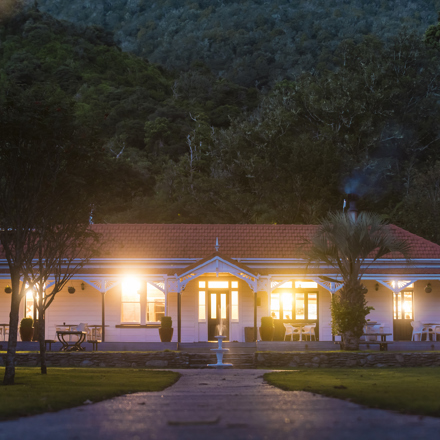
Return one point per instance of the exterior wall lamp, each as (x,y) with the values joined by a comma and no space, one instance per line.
(8,289)
(428,288)
(83,286)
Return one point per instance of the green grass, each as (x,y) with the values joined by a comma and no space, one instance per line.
(62,388)
(407,390)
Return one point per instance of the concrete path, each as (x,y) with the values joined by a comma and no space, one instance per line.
(228,404)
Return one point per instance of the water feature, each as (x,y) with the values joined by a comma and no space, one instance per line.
(220,351)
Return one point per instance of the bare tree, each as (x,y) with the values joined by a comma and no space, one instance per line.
(64,248)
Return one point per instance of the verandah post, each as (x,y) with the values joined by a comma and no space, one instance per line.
(179,319)
(255,316)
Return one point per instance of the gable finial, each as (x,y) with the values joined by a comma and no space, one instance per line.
(216,244)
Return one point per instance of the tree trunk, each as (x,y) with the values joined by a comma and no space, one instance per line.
(42,338)
(9,377)
(349,341)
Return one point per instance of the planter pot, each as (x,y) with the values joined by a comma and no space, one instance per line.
(26,334)
(166,334)
(266,333)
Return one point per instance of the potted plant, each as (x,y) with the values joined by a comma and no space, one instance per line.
(266,329)
(26,329)
(166,329)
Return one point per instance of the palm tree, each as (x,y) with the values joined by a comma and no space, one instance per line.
(351,246)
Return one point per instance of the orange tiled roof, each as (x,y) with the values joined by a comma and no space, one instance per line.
(236,241)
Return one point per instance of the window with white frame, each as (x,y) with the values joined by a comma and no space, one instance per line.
(131,301)
(155,303)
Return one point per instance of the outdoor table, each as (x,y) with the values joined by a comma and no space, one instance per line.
(67,345)
(3,330)
(301,325)
(383,336)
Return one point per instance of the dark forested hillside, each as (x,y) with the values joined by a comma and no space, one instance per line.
(248,41)
(188,145)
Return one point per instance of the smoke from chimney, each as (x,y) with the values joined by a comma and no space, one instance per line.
(352,209)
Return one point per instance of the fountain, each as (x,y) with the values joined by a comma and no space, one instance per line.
(220,351)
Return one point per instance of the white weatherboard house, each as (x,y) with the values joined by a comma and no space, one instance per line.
(198,274)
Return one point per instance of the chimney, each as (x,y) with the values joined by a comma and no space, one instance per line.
(352,210)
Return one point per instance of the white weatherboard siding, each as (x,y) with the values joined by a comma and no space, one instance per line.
(427,305)
(85,306)
(82,306)
(382,301)
(324,315)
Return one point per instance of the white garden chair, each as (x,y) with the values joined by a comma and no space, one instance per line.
(309,330)
(290,330)
(419,330)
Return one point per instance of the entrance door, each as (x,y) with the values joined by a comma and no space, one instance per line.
(403,315)
(218,314)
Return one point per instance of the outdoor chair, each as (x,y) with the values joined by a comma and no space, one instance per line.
(290,330)
(436,332)
(376,328)
(309,330)
(419,330)
(82,327)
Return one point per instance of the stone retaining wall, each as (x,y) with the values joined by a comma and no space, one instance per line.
(344,360)
(139,359)
(195,360)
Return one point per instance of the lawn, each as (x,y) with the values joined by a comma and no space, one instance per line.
(407,390)
(34,393)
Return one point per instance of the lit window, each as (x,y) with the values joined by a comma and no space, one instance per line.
(286,285)
(131,305)
(287,305)
(29,304)
(275,305)
(299,306)
(218,284)
(202,305)
(155,303)
(202,284)
(305,285)
(313,306)
(234,284)
(234,305)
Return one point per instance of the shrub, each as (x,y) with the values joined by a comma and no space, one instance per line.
(26,323)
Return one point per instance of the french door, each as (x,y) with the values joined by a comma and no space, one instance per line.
(218,314)
(403,315)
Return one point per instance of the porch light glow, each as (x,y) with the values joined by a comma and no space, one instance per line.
(306,285)
(286,285)
(131,285)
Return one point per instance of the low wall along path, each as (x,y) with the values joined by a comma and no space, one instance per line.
(252,360)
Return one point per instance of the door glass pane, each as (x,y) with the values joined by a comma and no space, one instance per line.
(223,305)
(407,305)
(299,306)
(312,306)
(395,306)
(287,305)
(234,305)
(213,306)
(275,305)
(202,310)
(29,304)
(218,284)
